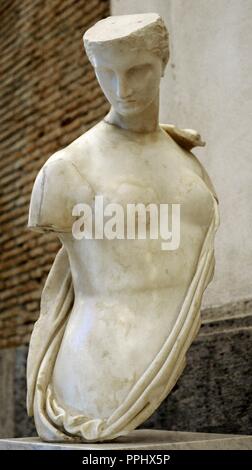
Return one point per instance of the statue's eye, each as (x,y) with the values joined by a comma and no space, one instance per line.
(135,69)
(139,69)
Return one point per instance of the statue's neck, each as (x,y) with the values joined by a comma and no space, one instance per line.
(146,121)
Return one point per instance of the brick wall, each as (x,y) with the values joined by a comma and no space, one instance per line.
(48,97)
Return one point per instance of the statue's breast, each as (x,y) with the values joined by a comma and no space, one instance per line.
(127,170)
(116,265)
(182,187)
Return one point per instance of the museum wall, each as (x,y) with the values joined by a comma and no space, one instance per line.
(49,96)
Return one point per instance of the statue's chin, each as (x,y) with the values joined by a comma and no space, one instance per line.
(131,109)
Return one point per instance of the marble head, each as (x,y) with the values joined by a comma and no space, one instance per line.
(129,54)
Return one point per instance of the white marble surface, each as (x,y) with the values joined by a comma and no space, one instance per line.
(118,316)
(142,440)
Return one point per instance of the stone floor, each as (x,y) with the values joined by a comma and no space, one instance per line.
(143,439)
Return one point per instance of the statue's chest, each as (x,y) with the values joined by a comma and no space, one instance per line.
(151,178)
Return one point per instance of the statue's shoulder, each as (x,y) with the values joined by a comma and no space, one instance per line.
(59,185)
(185,138)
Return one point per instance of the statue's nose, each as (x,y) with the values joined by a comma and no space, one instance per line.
(123,90)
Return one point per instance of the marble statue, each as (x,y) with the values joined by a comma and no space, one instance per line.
(118,315)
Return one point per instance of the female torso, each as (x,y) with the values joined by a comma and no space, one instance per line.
(128,293)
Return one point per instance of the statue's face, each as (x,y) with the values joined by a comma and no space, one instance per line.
(129,79)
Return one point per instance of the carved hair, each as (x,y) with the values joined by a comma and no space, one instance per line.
(153,36)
